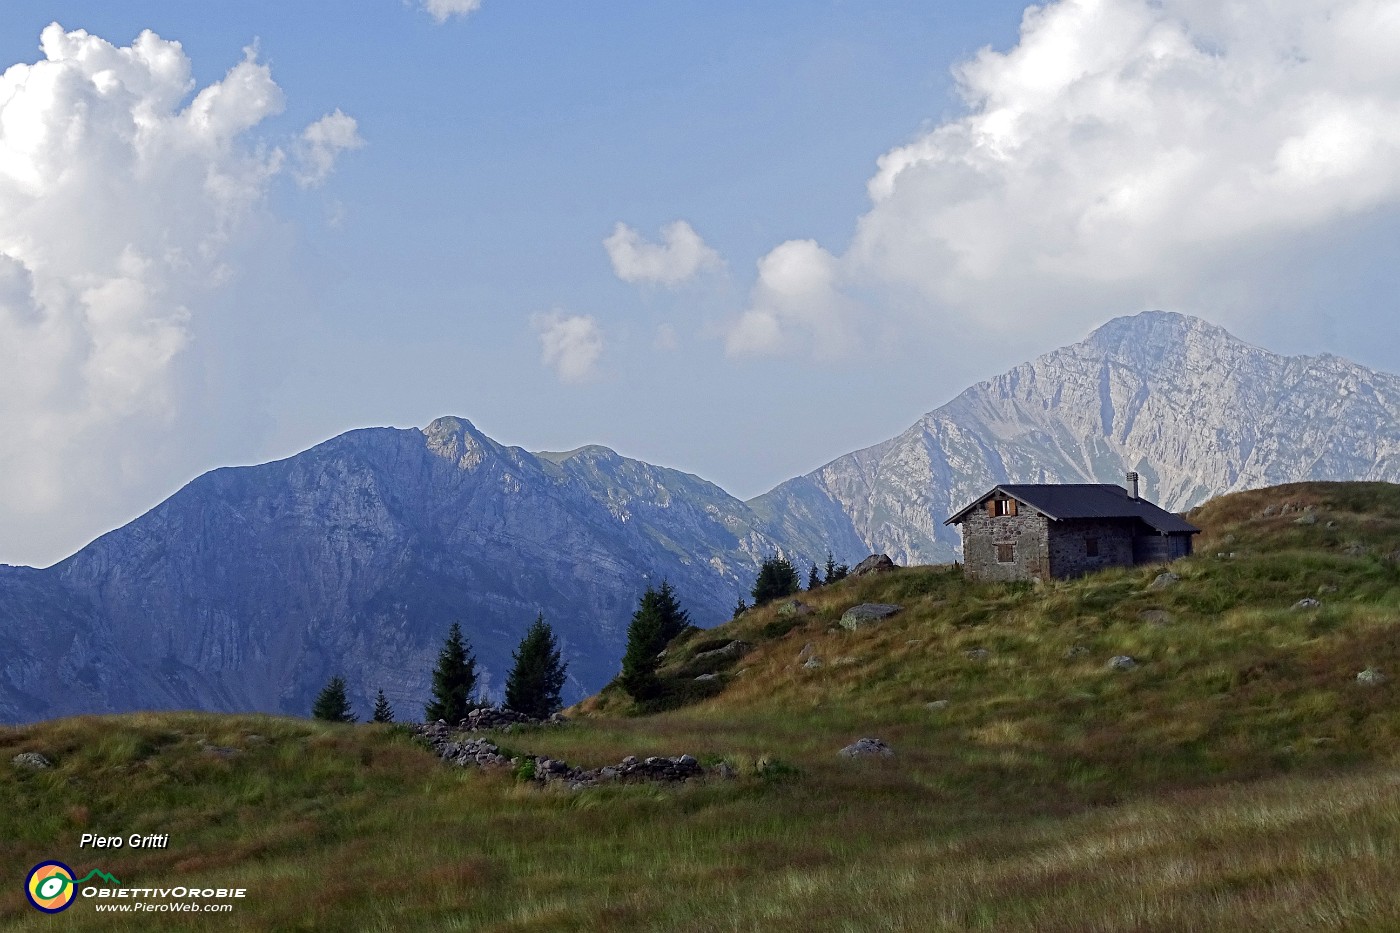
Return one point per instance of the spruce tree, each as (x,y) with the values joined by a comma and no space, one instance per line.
(454,680)
(331,705)
(658,619)
(537,675)
(740,607)
(813,581)
(834,571)
(674,619)
(383,712)
(776,579)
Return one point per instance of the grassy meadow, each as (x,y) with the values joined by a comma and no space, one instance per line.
(1237,778)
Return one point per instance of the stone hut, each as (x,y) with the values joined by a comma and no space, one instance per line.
(1022,531)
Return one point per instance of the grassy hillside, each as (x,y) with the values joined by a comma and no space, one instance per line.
(1237,777)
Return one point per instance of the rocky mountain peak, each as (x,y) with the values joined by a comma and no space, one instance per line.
(1193,409)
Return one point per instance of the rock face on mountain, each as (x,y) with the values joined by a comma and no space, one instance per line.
(252,586)
(1191,408)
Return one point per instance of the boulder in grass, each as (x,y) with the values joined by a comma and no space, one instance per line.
(866,613)
(1370,677)
(31,760)
(1163,580)
(1122,662)
(875,563)
(1306,603)
(867,748)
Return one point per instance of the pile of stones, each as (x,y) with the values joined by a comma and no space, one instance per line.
(489,718)
(483,753)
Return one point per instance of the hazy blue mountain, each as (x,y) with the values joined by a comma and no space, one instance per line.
(1194,410)
(252,586)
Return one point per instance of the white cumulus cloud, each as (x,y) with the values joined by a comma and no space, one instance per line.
(118,205)
(1127,154)
(321,144)
(570,345)
(797,304)
(443,10)
(680,256)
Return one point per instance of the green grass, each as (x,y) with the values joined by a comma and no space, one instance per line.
(1239,778)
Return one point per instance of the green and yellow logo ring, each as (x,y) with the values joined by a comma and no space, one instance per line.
(50,887)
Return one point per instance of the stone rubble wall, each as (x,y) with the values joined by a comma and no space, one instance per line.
(453,747)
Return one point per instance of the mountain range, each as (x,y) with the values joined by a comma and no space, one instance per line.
(251,586)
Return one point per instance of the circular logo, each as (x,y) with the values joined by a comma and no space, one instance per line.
(50,887)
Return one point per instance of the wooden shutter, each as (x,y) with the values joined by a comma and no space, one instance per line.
(1010,506)
(991,508)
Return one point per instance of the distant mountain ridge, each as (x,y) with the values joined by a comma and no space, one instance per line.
(1194,410)
(251,586)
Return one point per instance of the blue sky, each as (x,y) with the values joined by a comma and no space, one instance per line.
(873,213)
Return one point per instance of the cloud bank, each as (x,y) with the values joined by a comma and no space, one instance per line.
(680,257)
(1124,154)
(118,204)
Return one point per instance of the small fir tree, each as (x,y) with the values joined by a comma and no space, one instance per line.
(454,680)
(331,705)
(776,579)
(658,619)
(740,607)
(383,712)
(813,581)
(830,568)
(537,675)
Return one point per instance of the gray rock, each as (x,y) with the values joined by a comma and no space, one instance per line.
(978,654)
(1326,588)
(867,748)
(1370,677)
(732,650)
(807,651)
(875,563)
(1122,662)
(794,608)
(1156,616)
(704,677)
(1163,580)
(937,705)
(1307,518)
(725,771)
(866,613)
(1306,603)
(31,760)
(812,663)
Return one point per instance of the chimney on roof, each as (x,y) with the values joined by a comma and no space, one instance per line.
(1132,485)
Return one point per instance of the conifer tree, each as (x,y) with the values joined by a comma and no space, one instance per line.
(830,568)
(658,619)
(331,704)
(740,607)
(813,582)
(454,680)
(776,579)
(383,712)
(537,675)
